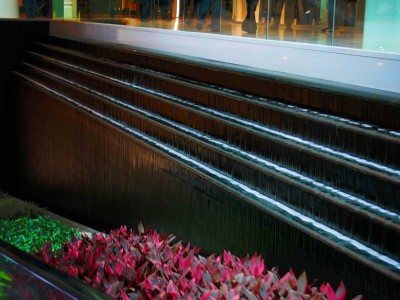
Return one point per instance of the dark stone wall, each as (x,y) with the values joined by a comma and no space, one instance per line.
(16,36)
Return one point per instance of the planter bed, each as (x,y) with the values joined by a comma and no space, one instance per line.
(145,264)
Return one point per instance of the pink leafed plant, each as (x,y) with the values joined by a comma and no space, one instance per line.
(148,265)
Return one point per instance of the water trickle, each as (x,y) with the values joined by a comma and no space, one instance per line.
(292,215)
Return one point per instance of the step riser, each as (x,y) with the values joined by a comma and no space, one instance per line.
(333,134)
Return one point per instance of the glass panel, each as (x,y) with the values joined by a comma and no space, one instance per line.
(381,24)
(304,21)
(84,10)
(202,16)
(249,23)
(23,276)
(30,8)
(153,13)
(362,24)
(115,9)
(190,13)
(16,282)
(347,25)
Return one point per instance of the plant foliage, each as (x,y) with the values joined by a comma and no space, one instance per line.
(30,234)
(148,265)
(13,208)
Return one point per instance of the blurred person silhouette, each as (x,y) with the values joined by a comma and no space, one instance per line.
(190,16)
(49,9)
(350,13)
(164,9)
(203,9)
(332,12)
(330,7)
(249,24)
(289,12)
(195,7)
(30,8)
(311,12)
(111,8)
(145,10)
(83,9)
(183,8)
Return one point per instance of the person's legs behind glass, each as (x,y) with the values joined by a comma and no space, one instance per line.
(249,24)
(203,9)
(289,13)
(30,8)
(330,8)
(145,10)
(216,16)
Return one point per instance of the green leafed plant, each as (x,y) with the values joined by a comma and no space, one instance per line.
(30,234)
(4,284)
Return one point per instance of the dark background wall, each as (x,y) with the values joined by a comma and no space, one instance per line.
(16,36)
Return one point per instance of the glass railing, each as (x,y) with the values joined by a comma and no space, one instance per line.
(24,276)
(17,282)
(361,24)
